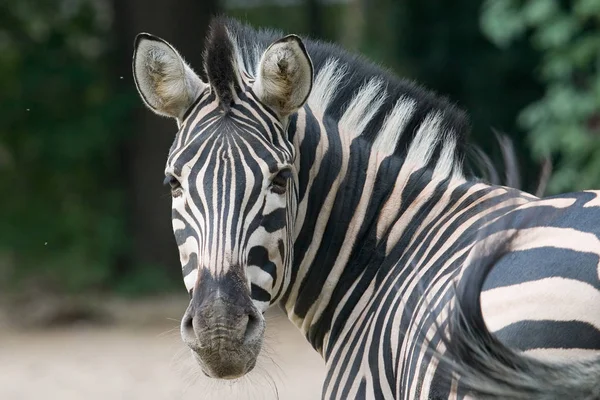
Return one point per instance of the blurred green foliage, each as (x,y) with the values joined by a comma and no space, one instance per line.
(61,219)
(293,18)
(565,121)
(64,112)
(440,45)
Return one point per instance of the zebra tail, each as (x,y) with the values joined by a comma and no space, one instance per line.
(488,369)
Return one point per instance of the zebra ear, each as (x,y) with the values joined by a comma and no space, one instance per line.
(165,82)
(285,76)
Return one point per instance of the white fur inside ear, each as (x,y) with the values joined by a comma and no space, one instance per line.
(285,76)
(165,82)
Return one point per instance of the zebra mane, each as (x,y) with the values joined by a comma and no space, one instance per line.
(394,115)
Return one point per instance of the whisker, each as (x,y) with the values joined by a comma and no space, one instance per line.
(168,332)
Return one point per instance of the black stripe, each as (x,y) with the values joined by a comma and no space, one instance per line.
(322,185)
(528,335)
(543,263)
(259,257)
(191,265)
(259,294)
(362,389)
(308,150)
(275,220)
(345,204)
(364,253)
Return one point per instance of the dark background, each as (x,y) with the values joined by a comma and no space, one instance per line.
(83,209)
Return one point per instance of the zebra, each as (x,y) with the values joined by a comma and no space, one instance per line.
(305,176)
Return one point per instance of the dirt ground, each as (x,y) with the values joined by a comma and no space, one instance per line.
(141,356)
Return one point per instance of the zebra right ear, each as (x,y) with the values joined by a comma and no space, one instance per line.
(285,76)
(165,82)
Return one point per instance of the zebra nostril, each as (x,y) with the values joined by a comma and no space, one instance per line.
(187,324)
(252,328)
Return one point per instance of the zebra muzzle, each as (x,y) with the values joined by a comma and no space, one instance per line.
(224,332)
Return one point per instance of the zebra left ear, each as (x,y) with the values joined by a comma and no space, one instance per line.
(285,76)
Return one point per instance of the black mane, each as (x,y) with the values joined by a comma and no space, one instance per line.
(251,43)
(220,63)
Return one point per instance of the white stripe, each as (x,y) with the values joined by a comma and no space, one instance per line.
(556,203)
(178,224)
(563,355)
(325,86)
(366,102)
(190,246)
(555,299)
(393,126)
(446,163)
(422,147)
(561,238)
(595,202)
(190,280)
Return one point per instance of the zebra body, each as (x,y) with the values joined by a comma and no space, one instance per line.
(305,176)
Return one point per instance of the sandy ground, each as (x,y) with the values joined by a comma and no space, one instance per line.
(142,357)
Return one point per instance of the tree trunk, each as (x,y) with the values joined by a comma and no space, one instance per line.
(183,23)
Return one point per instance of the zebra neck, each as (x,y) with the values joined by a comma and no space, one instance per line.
(354,207)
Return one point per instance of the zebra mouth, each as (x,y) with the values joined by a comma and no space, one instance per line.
(226,352)
(226,365)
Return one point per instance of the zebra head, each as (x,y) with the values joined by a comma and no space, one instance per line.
(234,184)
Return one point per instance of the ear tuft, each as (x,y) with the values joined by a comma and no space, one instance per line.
(285,75)
(165,82)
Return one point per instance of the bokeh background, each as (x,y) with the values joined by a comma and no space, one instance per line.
(89,274)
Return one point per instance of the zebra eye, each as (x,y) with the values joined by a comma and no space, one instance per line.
(176,189)
(279,182)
